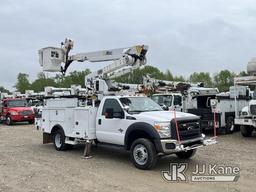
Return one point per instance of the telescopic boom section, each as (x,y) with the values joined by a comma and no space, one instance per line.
(54,59)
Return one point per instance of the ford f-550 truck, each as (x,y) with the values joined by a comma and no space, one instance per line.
(135,123)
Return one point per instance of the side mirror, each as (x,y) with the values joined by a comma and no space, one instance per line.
(126,108)
(5,105)
(164,107)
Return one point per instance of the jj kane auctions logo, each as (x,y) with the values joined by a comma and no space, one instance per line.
(201,173)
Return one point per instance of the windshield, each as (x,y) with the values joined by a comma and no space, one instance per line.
(17,103)
(163,100)
(35,103)
(140,104)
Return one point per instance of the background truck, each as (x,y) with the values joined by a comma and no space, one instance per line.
(183,96)
(246,118)
(224,106)
(169,101)
(16,110)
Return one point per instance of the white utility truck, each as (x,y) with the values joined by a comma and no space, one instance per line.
(183,96)
(224,106)
(135,123)
(246,118)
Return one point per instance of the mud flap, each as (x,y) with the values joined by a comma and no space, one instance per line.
(47,138)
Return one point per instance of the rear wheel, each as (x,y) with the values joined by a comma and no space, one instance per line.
(186,154)
(246,130)
(143,154)
(8,120)
(59,140)
(230,125)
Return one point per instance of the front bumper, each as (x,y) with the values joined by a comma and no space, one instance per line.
(170,146)
(19,118)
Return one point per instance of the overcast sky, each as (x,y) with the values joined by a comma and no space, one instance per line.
(183,35)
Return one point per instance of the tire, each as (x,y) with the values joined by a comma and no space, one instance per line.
(31,121)
(230,125)
(8,121)
(246,130)
(59,140)
(186,154)
(143,154)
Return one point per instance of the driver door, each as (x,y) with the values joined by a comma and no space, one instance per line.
(111,129)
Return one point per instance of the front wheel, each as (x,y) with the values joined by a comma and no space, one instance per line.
(8,120)
(143,154)
(186,154)
(59,140)
(246,130)
(230,125)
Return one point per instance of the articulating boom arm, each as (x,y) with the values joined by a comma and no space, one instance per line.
(51,58)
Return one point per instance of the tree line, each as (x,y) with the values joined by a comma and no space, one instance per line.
(222,80)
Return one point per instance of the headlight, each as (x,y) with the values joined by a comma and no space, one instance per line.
(14,113)
(163,129)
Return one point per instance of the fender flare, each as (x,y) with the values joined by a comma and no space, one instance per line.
(57,126)
(148,129)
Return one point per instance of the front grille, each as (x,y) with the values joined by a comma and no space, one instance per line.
(26,112)
(253,109)
(187,129)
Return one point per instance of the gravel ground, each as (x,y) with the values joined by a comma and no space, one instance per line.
(28,165)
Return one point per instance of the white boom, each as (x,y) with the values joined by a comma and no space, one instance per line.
(51,58)
(125,61)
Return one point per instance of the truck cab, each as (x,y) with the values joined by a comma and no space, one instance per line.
(16,110)
(134,123)
(197,101)
(169,101)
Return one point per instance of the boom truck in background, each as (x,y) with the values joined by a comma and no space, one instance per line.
(196,99)
(183,96)
(110,115)
(245,118)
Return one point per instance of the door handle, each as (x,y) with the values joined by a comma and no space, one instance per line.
(99,121)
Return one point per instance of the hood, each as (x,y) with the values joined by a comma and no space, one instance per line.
(20,109)
(165,115)
(252,102)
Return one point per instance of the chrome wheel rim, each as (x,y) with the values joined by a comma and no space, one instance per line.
(57,140)
(140,154)
(232,126)
(8,120)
